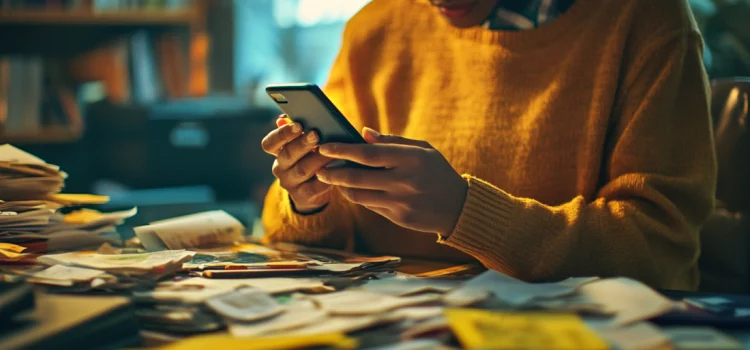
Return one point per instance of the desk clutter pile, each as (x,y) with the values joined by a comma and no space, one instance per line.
(198,282)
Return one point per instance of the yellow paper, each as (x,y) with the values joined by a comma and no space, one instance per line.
(12,247)
(82,216)
(227,342)
(71,198)
(11,254)
(479,329)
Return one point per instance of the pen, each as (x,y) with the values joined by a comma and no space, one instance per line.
(262,273)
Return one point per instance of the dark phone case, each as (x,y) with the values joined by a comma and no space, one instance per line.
(308,105)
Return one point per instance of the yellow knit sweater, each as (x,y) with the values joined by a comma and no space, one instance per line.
(586,143)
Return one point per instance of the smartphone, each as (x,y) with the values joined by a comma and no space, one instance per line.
(305,103)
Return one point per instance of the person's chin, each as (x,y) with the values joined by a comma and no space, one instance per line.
(467,13)
(459,23)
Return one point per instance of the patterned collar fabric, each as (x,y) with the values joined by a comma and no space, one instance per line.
(525,14)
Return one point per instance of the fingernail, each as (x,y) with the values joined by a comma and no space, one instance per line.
(372,132)
(321,176)
(325,149)
(296,128)
(311,138)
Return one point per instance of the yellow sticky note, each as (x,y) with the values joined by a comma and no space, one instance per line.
(227,342)
(480,329)
(71,198)
(12,247)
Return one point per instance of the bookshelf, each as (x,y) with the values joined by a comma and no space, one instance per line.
(83,18)
(53,134)
(78,36)
(69,33)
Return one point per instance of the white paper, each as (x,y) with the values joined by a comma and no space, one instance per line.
(359,302)
(297,314)
(22,206)
(512,291)
(41,215)
(342,324)
(188,296)
(9,153)
(270,285)
(149,239)
(193,231)
(628,300)
(570,303)
(247,304)
(335,267)
(419,313)
(463,297)
(402,285)
(68,273)
(113,218)
(638,336)
(144,261)
(57,283)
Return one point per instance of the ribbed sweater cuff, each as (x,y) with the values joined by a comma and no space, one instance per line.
(331,227)
(483,223)
(313,227)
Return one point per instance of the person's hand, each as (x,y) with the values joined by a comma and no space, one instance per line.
(415,188)
(296,164)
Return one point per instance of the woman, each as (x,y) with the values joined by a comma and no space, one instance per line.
(545,139)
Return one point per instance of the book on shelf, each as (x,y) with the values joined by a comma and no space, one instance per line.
(139,69)
(146,86)
(4,90)
(34,98)
(22,94)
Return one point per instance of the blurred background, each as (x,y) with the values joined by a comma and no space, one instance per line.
(160,104)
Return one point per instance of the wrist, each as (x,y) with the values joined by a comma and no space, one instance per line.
(461,188)
(306,210)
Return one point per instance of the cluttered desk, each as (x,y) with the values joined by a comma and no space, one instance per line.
(198,281)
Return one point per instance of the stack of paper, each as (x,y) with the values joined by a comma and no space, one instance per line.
(251,258)
(29,205)
(359,302)
(28,216)
(147,265)
(37,226)
(13,253)
(297,314)
(405,285)
(510,291)
(625,301)
(270,285)
(24,176)
(71,276)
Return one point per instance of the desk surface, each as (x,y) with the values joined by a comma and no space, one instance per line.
(379,335)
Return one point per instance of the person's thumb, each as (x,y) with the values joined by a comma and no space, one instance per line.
(372,136)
